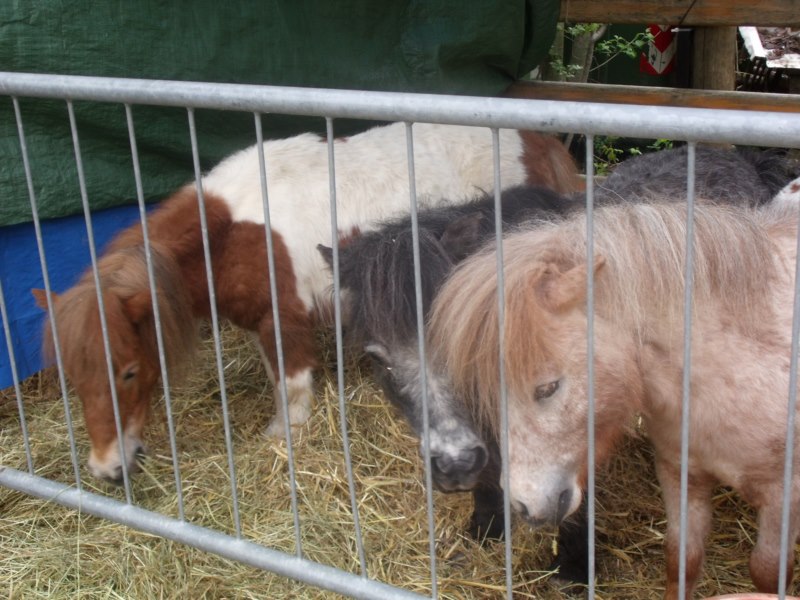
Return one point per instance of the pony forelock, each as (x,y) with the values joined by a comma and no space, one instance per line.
(123,275)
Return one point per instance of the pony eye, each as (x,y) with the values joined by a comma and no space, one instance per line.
(381,363)
(129,372)
(545,390)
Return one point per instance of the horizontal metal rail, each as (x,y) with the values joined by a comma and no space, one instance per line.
(240,550)
(691,124)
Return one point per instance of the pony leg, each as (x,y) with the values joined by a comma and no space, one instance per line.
(698,524)
(299,398)
(264,360)
(572,560)
(765,558)
(487,520)
(299,360)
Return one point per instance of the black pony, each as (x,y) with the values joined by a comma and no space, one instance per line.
(376,272)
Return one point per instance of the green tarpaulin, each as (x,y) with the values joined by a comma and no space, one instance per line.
(438,46)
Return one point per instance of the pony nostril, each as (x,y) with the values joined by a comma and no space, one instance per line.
(442,464)
(139,454)
(467,462)
(520,508)
(116,478)
(564,502)
(480,458)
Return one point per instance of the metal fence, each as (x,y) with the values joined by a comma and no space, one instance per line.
(692,125)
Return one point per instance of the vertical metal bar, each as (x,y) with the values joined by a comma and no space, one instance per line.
(46,278)
(273,290)
(212,298)
(162,359)
(15,377)
(101,306)
(687,362)
(337,311)
(426,446)
(501,324)
(788,464)
(590,421)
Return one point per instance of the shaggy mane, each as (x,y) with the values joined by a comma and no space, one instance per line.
(123,274)
(641,285)
(377,267)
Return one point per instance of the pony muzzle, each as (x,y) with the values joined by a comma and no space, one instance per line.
(108,466)
(458,471)
(551,509)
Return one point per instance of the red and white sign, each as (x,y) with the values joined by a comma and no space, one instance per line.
(660,56)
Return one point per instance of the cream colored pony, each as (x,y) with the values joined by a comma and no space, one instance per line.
(741,343)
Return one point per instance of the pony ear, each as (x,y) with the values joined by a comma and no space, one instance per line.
(327,253)
(462,236)
(40,297)
(138,306)
(378,352)
(563,291)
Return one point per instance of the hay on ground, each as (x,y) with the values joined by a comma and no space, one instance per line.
(53,552)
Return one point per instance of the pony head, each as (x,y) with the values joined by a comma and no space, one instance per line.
(378,285)
(545,353)
(458,453)
(134,354)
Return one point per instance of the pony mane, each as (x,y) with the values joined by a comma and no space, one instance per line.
(377,268)
(123,276)
(641,287)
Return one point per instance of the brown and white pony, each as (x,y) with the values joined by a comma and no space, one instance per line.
(739,377)
(452,163)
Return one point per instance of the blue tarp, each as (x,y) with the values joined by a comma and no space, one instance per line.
(66,249)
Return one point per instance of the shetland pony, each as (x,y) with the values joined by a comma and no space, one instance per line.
(744,264)
(452,163)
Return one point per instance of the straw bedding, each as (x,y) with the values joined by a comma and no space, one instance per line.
(49,551)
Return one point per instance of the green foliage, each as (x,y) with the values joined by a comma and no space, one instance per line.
(608,151)
(563,70)
(578,29)
(604,50)
(618,45)
(661,144)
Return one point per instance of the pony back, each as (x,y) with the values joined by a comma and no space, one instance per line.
(743,177)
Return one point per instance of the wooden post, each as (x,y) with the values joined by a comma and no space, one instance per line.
(714,58)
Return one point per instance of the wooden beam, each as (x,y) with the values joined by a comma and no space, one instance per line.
(654,96)
(714,58)
(776,13)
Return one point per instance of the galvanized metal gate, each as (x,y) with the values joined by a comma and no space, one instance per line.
(693,125)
